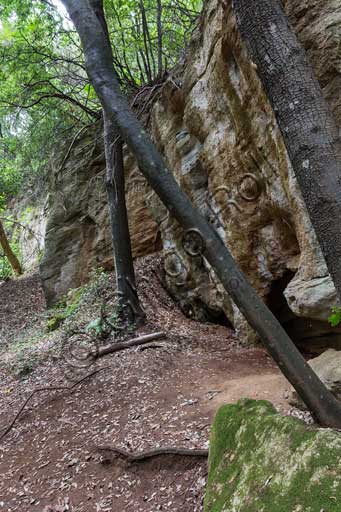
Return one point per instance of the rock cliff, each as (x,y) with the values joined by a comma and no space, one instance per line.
(219,134)
(214,125)
(77,238)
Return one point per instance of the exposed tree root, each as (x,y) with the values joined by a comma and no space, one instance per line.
(38,390)
(110,453)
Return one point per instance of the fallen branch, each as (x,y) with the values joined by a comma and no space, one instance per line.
(38,390)
(110,453)
(153,345)
(141,340)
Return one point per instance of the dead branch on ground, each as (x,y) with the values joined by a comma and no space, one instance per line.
(141,340)
(109,453)
(38,390)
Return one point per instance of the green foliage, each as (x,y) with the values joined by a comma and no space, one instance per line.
(335,317)
(45,95)
(134,29)
(6,270)
(65,308)
(38,85)
(96,326)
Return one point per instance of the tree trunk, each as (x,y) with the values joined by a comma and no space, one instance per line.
(309,131)
(130,308)
(129,304)
(159,37)
(13,260)
(319,400)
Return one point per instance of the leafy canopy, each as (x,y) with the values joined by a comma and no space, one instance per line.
(45,94)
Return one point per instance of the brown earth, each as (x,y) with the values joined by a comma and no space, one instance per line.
(163,396)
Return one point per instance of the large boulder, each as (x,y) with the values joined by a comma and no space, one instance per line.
(328,367)
(261,461)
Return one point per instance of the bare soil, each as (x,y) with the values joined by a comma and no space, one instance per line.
(164,396)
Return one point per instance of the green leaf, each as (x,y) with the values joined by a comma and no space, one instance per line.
(95,325)
(335,317)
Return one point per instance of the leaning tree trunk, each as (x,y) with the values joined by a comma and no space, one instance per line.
(13,260)
(309,131)
(98,59)
(129,305)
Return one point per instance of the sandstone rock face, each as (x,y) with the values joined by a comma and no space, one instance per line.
(27,227)
(77,232)
(215,127)
(32,240)
(220,137)
(328,367)
(261,461)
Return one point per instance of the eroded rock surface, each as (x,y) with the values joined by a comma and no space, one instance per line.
(328,367)
(262,461)
(234,166)
(77,237)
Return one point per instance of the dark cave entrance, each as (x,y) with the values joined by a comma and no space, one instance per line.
(198,310)
(276,301)
(309,335)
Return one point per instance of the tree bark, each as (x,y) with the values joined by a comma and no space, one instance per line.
(159,37)
(129,305)
(147,42)
(323,405)
(307,125)
(13,260)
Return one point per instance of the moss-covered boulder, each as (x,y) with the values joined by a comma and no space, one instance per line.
(261,461)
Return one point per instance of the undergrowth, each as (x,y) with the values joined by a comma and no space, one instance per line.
(87,313)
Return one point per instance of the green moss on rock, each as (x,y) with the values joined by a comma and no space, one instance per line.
(55,322)
(261,461)
(66,307)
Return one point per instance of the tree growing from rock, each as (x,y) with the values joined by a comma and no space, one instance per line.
(307,125)
(99,65)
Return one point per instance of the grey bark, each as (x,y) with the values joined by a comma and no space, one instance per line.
(129,305)
(318,399)
(307,125)
(159,38)
(147,41)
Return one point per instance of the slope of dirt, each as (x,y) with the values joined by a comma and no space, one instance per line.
(161,396)
(21,303)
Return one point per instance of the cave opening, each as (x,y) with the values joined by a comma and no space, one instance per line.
(311,336)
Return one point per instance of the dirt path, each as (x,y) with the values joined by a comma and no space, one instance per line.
(145,398)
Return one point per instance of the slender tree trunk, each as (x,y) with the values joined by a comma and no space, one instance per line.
(130,307)
(309,131)
(159,37)
(147,41)
(319,400)
(13,260)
